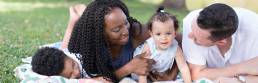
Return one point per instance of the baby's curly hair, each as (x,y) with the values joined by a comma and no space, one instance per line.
(89,41)
(162,16)
(48,61)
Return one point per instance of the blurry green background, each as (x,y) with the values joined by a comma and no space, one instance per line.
(27,24)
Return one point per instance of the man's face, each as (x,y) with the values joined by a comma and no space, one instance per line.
(71,69)
(200,36)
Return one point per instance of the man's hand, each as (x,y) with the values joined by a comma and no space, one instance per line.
(227,80)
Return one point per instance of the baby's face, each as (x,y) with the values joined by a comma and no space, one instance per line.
(71,68)
(163,33)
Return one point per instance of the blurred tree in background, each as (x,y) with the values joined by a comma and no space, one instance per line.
(197,4)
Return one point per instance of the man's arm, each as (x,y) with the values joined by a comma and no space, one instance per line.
(245,79)
(200,71)
(251,79)
(248,67)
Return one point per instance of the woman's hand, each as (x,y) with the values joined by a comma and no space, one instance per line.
(141,65)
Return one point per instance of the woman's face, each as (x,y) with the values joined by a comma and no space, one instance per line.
(117,27)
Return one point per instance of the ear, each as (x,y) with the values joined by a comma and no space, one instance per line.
(175,33)
(221,42)
(150,32)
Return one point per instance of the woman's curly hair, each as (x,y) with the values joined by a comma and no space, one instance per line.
(89,41)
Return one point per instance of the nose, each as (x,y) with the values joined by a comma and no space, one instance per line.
(125,31)
(164,37)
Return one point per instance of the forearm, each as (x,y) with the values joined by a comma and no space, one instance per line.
(249,67)
(251,79)
(214,73)
(186,74)
(244,68)
(122,72)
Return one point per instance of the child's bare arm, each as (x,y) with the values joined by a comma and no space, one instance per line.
(143,78)
(182,65)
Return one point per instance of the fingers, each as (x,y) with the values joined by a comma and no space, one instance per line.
(151,61)
(142,66)
(148,53)
(144,54)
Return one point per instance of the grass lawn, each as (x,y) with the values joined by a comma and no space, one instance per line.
(27,24)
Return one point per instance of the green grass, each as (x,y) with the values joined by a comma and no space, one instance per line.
(22,31)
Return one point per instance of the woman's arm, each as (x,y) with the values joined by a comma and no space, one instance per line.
(182,65)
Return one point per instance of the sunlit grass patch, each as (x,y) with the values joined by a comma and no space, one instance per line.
(28,6)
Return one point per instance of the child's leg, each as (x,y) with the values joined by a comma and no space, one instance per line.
(75,13)
(142,79)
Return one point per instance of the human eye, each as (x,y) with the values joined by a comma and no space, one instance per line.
(116,29)
(168,33)
(158,34)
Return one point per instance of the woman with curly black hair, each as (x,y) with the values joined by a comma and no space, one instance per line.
(104,39)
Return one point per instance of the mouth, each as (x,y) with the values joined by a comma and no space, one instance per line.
(125,38)
(163,42)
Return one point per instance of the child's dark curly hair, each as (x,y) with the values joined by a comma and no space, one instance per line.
(48,61)
(162,16)
(89,41)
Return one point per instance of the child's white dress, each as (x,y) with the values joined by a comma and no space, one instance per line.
(164,60)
